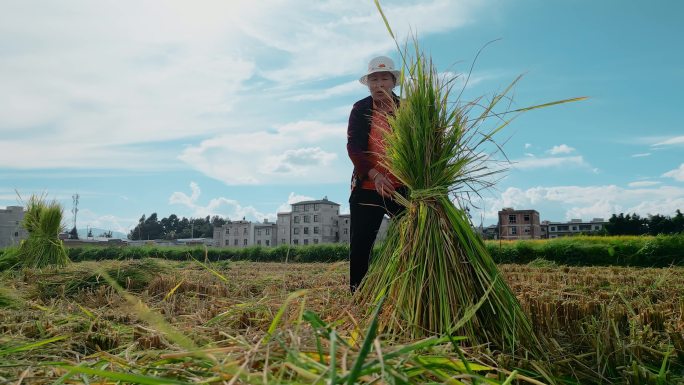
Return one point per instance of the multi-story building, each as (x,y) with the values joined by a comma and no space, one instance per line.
(314,222)
(283,228)
(11,230)
(265,233)
(309,223)
(519,224)
(235,234)
(345,228)
(574,227)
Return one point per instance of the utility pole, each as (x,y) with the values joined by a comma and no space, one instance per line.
(74,210)
(192,230)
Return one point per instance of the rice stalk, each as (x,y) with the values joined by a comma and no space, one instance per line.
(43,221)
(432,267)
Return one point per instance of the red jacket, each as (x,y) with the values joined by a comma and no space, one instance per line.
(357,138)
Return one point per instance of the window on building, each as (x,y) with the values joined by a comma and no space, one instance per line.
(235,242)
(553,228)
(282,241)
(259,242)
(306,230)
(316,241)
(331,231)
(514,231)
(306,241)
(244,231)
(316,230)
(597,227)
(527,230)
(245,242)
(345,231)
(316,206)
(315,218)
(227,242)
(296,219)
(306,207)
(16,233)
(574,228)
(268,243)
(268,231)
(295,230)
(307,219)
(259,232)
(512,218)
(295,241)
(346,221)
(227,231)
(526,217)
(563,228)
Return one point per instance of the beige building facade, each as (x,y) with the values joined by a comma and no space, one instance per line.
(312,222)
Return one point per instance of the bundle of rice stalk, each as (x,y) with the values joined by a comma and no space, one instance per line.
(433,269)
(43,221)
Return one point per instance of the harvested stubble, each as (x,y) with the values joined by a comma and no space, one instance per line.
(230,322)
(259,351)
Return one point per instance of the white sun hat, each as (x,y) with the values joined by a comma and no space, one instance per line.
(380,64)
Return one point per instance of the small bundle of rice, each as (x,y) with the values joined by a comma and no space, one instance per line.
(43,221)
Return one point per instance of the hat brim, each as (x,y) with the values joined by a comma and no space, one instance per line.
(364,79)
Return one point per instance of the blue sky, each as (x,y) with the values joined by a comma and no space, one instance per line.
(239,108)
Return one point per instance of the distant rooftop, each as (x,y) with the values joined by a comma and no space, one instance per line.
(323,201)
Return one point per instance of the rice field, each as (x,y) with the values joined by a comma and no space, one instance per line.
(156,322)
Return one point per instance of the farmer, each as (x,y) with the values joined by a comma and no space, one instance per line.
(372,185)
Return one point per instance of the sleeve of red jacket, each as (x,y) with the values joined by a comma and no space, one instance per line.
(355,146)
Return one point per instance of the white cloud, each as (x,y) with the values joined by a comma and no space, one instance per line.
(561,149)
(313,39)
(304,148)
(341,89)
(293,198)
(96,86)
(641,155)
(673,141)
(676,174)
(551,162)
(585,202)
(89,218)
(643,183)
(297,162)
(528,145)
(221,206)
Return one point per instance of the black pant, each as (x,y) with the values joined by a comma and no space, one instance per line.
(367,209)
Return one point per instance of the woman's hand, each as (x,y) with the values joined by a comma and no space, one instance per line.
(382,184)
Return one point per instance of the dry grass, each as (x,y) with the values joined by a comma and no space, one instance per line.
(601,319)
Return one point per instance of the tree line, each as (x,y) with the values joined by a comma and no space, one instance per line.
(633,224)
(175,228)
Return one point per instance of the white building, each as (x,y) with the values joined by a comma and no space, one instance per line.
(574,227)
(314,222)
(283,228)
(309,223)
(11,230)
(235,234)
(265,234)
